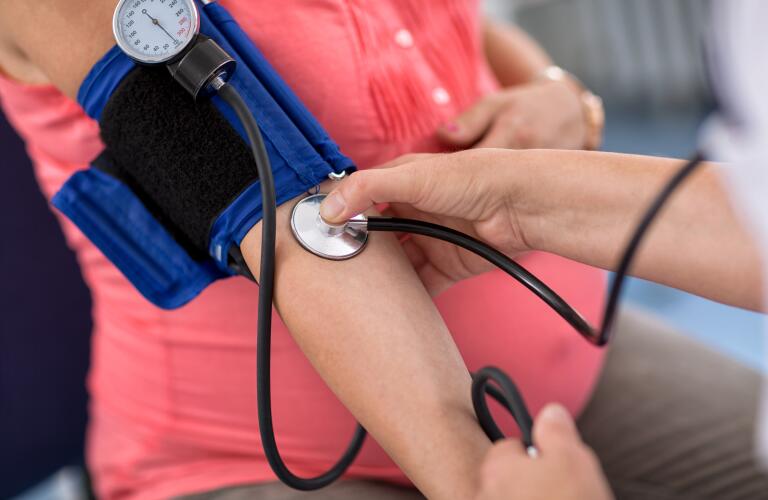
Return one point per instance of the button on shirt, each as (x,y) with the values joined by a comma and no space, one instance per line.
(404,38)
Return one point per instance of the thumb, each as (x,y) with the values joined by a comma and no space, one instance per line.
(554,428)
(470,126)
(363,190)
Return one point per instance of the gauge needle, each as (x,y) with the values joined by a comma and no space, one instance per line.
(157,23)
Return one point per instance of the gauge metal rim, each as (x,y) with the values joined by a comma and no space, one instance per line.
(151,61)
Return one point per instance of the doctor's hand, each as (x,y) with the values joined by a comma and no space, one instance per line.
(466,191)
(543,114)
(566,469)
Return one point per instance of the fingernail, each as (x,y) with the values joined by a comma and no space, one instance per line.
(332,207)
(555,413)
(451,127)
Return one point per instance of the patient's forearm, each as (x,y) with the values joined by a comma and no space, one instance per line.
(372,332)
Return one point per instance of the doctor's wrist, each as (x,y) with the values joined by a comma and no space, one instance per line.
(537,187)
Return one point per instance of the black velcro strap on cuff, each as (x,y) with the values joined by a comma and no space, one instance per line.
(180,157)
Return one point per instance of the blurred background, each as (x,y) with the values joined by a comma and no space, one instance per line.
(644,57)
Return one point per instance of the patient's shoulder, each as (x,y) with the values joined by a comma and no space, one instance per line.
(55,40)
(14,63)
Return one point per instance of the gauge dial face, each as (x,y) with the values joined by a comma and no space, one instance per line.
(155,31)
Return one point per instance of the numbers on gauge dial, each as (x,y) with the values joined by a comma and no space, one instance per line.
(155,30)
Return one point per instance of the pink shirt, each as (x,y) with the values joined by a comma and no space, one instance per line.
(174,408)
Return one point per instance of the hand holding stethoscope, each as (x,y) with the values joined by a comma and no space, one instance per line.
(581,205)
(566,468)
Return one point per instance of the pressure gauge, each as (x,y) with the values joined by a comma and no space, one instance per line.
(155,31)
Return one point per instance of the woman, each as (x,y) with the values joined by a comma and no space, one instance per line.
(173,409)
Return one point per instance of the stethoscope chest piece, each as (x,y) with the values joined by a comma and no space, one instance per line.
(323,239)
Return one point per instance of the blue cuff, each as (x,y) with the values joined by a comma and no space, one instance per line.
(108,212)
(116,221)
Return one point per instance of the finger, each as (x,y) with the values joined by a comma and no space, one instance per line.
(554,428)
(501,459)
(470,126)
(506,449)
(434,280)
(508,132)
(362,190)
(388,212)
(414,253)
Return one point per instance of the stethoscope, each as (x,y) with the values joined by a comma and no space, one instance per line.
(203,69)
(339,242)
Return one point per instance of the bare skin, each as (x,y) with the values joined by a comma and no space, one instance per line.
(54,41)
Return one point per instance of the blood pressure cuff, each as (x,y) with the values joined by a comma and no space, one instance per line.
(176,190)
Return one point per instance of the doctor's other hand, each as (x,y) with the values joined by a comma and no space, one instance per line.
(540,115)
(566,469)
(466,191)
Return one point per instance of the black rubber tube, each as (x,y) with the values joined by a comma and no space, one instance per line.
(266,293)
(508,395)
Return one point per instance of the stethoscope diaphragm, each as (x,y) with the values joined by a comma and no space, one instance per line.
(326,240)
